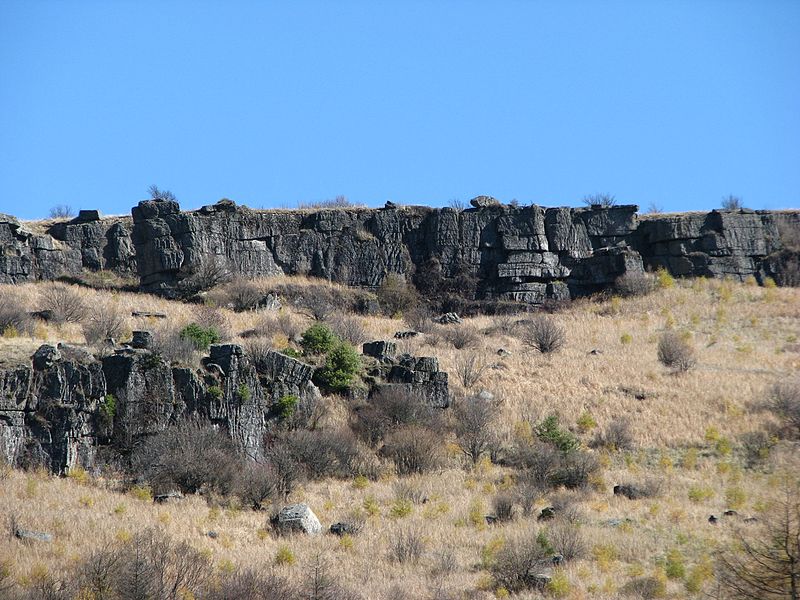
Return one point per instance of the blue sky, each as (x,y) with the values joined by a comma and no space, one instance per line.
(675,103)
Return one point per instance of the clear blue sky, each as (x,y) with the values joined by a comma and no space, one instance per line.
(274,103)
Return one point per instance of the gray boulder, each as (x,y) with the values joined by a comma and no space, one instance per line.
(297,518)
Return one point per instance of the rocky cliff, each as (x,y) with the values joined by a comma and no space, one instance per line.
(508,253)
(66,407)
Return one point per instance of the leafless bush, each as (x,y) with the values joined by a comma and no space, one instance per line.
(784,401)
(516,564)
(159,194)
(324,453)
(675,353)
(64,303)
(471,368)
(320,583)
(503,506)
(149,565)
(391,407)
(209,274)
(461,336)
(210,316)
(731,202)
(348,328)
(288,326)
(279,458)
(168,342)
(617,436)
(190,456)
(474,426)
(104,322)
(319,306)
(457,204)
(251,584)
(396,296)
(544,466)
(243,295)
(634,283)
(567,540)
(544,334)
(419,318)
(62,211)
(503,325)
(258,349)
(12,316)
(603,200)
(413,449)
(406,545)
(256,483)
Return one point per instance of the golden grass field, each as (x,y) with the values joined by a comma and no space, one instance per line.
(686,429)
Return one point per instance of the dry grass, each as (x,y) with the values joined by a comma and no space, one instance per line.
(744,338)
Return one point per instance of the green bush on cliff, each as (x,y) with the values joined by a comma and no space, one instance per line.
(341,365)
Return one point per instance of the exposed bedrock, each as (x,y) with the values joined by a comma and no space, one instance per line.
(526,253)
(65,407)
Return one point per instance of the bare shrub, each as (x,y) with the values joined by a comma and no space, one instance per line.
(149,565)
(256,483)
(251,584)
(159,194)
(64,303)
(413,449)
(190,456)
(288,326)
(675,353)
(603,200)
(461,336)
(390,408)
(784,401)
(545,466)
(516,564)
(279,458)
(319,306)
(13,318)
(567,540)
(172,346)
(544,334)
(764,562)
(62,211)
(320,583)
(396,296)
(504,325)
(503,506)
(617,436)
(731,202)
(475,418)
(348,328)
(419,318)
(258,349)
(634,283)
(105,322)
(326,453)
(243,295)
(470,369)
(406,545)
(209,274)
(339,201)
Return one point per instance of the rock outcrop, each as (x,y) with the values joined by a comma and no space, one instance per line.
(65,406)
(66,248)
(525,254)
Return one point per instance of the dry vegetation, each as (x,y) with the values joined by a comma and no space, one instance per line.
(690,442)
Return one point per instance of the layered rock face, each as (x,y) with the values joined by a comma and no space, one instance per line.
(65,248)
(67,408)
(524,254)
(66,405)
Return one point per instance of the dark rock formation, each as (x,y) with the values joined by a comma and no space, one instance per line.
(525,254)
(64,405)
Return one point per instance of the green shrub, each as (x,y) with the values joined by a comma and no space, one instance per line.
(215,392)
(341,365)
(675,566)
(108,408)
(318,339)
(291,352)
(244,392)
(201,337)
(286,405)
(551,432)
